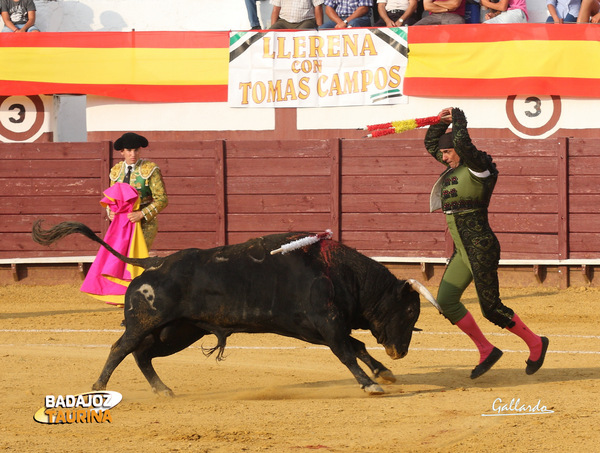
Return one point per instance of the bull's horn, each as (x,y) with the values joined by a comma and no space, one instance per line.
(420,288)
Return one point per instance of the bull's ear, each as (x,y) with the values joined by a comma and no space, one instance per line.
(403,287)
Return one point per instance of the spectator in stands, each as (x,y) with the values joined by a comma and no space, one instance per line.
(253,14)
(443,12)
(562,11)
(348,13)
(505,11)
(589,12)
(296,14)
(18,16)
(146,178)
(463,192)
(396,13)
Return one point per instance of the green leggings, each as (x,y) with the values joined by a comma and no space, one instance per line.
(475,247)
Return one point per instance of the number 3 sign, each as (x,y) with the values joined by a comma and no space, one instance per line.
(533,116)
(21,118)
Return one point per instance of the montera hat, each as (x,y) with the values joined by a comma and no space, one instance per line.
(130,140)
(446,141)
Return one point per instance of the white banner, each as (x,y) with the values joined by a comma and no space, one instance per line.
(356,66)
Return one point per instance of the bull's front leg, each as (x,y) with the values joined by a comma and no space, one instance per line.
(345,352)
(383,374)
(334,333)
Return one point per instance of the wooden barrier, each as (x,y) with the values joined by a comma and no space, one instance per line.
(373,194)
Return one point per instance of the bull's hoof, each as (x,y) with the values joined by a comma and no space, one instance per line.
(373,389)
(98,386)
(166,391)
(385,377)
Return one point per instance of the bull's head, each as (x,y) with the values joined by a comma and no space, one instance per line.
(401,322)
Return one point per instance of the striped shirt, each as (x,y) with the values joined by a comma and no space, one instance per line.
(345,8)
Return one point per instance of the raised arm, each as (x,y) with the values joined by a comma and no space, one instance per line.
(469,155)
(432,137)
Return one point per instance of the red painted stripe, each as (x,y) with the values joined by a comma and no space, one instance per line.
(148,93)
(541,86)
(502,32)
(139,39)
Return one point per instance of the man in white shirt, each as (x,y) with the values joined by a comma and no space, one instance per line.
(296,14)
(396,13)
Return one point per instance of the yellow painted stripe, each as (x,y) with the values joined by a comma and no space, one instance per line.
(504,59)
(141,66)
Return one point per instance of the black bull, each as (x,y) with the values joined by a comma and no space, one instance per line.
(318,294)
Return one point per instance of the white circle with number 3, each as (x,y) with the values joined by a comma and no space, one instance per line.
(533,116)
(21,118)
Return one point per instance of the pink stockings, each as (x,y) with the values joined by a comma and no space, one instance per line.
(533,341)
(468,325)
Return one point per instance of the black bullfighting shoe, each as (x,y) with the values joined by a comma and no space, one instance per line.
(532,366)
(489,362)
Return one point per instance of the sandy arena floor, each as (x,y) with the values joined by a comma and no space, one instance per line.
(275,394)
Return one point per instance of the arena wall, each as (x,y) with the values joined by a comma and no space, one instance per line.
(372,193)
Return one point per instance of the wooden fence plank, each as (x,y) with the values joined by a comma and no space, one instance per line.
(584,223)
(277,184)
(189,222)
(374,191)
(393,222)
(396,165)
(46,168)
(62,205)
(278,203)
(276,223)
(584,245)
(524,203)
(24,223)
(191,204)
(281,166)
(82,151)
(397,243)
(392,203)
(169,242)
(252,149)
(524,222)
(43,188)
(190,186)
(528,246)
(21,245)
(187,168)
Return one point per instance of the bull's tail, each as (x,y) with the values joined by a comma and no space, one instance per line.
(47,237)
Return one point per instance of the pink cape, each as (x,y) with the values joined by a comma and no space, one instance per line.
(108,277)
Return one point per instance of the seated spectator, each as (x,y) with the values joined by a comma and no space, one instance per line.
(253,14)
(396,13)
(348,13)
(18,16)
(562,11)
(296,14)
(589,12)
(443,12)
(505,12)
